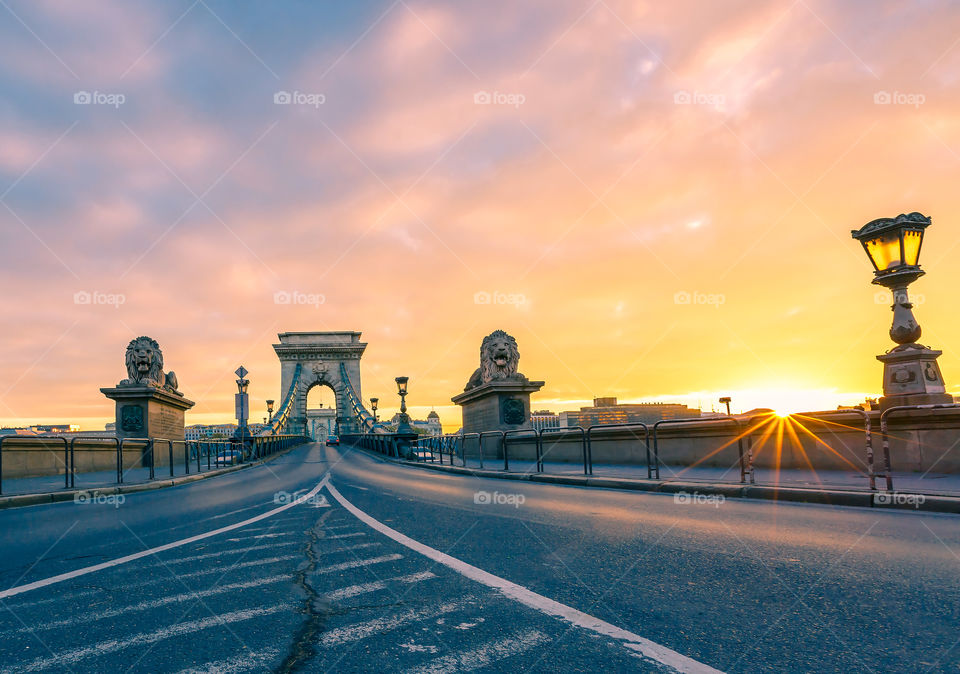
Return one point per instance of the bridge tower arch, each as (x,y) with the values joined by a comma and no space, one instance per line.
(308,359)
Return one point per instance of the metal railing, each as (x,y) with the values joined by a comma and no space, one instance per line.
(745,461)
(382,443)
(217,453)
(745,428)
(437,445)
(588,463)
(888,470)
(47,438)
(505,442)
(560,429)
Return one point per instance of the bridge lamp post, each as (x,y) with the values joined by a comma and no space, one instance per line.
(373,406)
(269,411)
(242,406)
(404,424)
(911,375)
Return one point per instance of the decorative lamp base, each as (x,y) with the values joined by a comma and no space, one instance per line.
(911,376)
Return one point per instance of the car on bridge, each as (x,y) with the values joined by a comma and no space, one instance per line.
(333,440)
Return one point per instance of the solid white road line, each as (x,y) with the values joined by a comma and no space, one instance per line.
(19,589)
(241,663)
(635,642)
(63,660)
(357,563)
(350,633)
(354,590)
(96,616)
(484,656)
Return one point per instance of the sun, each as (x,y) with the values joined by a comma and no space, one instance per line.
(787,402)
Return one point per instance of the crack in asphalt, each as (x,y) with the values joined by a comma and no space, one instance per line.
(315,608)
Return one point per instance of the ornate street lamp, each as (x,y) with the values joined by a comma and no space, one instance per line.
(270,410)
(373,406)
(911,375)
(403,426)
(242,405)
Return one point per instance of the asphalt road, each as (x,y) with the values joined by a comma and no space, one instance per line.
(400,569)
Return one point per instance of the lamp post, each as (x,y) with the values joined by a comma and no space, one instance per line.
(373,406)
(911,375)
(726,400)
(242,405)
(403,426)
(269,411)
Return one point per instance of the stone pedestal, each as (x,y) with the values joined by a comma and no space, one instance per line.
(499,405)
(911,376)
(148,412)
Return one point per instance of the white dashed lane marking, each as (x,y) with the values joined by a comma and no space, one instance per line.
(354,590)
(242,663)
(258,536)
(224,553)
(485,655)
(157,603)
(351,633)
(76,655)
(357,563)
(351,535)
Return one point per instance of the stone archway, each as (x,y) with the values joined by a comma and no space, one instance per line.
(323,358)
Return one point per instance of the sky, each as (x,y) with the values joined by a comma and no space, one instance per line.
(654,198)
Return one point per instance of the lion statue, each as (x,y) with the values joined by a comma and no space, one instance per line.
(499,358)
(145,366)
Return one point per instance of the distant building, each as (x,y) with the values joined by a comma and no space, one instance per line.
(207,431)
(56,428)
(42,429)
(544,419)
(17,431)
(429,426)
(321,423)
(607,411)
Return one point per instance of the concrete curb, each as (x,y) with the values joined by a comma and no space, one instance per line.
(21,500)
(911,501)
